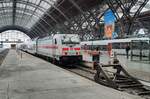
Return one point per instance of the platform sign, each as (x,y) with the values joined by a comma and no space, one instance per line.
(109,17)
(109,30)
(114,35)
(109,20)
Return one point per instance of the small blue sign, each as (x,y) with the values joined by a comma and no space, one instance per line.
(114,35)
(109,17)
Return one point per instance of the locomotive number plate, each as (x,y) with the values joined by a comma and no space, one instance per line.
(72,52)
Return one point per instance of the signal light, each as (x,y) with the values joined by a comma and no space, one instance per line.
(77,53)
(65,49)
(76,48)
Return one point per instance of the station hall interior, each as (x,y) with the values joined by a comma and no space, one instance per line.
(74,49)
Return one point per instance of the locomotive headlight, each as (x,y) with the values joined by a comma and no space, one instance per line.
(66,53)
(77,53)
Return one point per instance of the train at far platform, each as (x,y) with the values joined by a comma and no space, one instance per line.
(99,50)
(60,48)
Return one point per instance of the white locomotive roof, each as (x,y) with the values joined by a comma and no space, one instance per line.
(59,35)
(56,36)
(98,42)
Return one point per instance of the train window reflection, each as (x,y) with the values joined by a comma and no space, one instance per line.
(94,47)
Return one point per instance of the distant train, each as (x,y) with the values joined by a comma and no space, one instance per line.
(118,45)
(62,48)
(91,49)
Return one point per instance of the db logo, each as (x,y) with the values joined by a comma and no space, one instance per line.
(71,48)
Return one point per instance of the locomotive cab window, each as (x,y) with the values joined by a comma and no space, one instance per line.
(70,39)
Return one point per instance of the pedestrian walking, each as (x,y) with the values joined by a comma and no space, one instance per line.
(127,51)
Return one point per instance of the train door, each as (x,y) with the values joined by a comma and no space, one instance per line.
(140,50)
(54,49)
(109,49)
(36,45)
(104,53)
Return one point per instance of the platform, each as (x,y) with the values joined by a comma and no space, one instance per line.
(138,69)
(32,78)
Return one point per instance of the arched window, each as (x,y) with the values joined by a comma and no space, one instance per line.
(13,37)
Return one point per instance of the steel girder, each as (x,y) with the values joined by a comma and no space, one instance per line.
(26,16)
(14,12)
(10,27)
(85,24)
(130,10)
(68,25)
(77,23)
(59,25)
(143,22)
(22,11)
(59,12)
(10,8)
(67,16)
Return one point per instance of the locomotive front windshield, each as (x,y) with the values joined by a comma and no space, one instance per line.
(70,39)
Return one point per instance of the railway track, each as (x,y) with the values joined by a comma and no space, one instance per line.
(125,84)
(82,71)
(3,54)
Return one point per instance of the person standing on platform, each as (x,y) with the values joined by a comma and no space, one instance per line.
(127,51)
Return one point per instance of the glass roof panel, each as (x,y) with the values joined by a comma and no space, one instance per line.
(147,7)
(36,1)
(27,12)
(136,7)
(39,12)
(51,1)
(0,4)
(19,11)
(45,5)
(21,5)
(36,7)
(13,35)
(30,7)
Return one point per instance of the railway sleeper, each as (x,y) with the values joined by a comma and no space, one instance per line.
(131,86)
(123,81)
(119,80)
(127,83)
(144,93)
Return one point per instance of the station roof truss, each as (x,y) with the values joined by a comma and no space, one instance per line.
(46,17)
(22,14)
(127,12)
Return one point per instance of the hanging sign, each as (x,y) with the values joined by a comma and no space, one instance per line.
(109,20)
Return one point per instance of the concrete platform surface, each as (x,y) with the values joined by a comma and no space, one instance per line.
(138,69)
(32,78)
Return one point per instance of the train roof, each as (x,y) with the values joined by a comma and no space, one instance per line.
(105,42)
(55,35)
(59,35)
(98,42)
